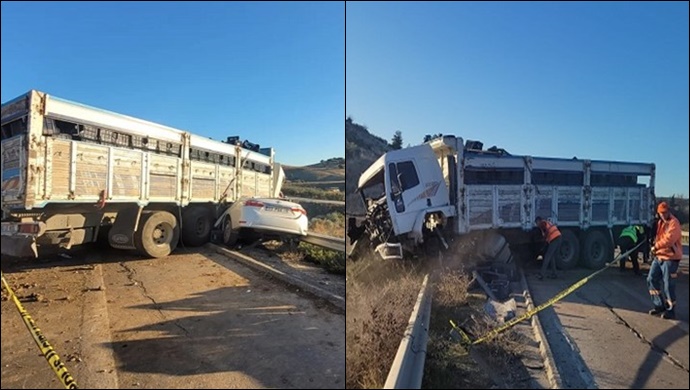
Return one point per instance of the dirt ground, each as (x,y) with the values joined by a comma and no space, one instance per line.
(286,258)
(192,320)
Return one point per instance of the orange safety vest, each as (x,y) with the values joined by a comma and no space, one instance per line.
(668,243)
(549,230)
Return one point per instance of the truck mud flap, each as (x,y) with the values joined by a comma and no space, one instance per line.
(121,235)
(19,246)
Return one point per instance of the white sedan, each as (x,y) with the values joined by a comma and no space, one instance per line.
(265,216)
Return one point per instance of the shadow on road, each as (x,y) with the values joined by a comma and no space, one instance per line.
(281,345)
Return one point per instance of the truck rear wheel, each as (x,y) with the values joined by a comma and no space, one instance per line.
(569,253)
(157,235)
(196,226)
(597,249)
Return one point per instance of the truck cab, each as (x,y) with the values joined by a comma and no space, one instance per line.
(406,192)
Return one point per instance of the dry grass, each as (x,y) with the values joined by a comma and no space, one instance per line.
(332,224)
(451,289)
(380,297)
(448,364)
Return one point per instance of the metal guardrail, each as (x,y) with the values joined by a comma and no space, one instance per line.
(328,242)
(408,366)
(321,201)
(316,182)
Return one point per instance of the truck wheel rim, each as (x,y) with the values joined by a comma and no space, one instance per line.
(162,233)
(596,250)
(200,226)
(565,250)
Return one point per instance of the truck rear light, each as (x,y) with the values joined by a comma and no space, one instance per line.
(253,203)
(28,228)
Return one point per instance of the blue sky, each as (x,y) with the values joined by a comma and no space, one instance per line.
(272,73)
(604,81)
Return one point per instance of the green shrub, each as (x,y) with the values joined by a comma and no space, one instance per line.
(332,261)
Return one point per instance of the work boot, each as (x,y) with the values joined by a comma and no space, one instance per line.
(657,310)
(669,315)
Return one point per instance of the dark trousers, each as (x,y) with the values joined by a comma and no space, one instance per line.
(626,243)
(550,256)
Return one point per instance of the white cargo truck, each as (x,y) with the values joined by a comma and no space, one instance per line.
(72,173)
(447,187)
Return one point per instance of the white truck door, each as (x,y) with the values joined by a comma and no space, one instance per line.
(413,185)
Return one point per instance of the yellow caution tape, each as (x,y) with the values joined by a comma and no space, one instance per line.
(46,349)
(467,342)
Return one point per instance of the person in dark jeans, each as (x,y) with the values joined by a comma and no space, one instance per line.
(667,252)
(553,239)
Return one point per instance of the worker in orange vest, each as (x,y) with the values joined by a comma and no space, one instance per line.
(667,252)
(553,239)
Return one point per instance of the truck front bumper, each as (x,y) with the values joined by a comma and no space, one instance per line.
(19,238)
(19,246)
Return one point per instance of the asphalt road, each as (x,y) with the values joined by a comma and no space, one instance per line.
(602,336)
(194,319)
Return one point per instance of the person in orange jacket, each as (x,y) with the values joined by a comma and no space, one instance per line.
(667,252)
(553,239)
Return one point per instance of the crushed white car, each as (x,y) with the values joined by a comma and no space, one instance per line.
(265,217)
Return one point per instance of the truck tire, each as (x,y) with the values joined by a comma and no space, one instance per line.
(158,234)
(597,249)
(230,236)
(569,253)
(196,226)
(496,248)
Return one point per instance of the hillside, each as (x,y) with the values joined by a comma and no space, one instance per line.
(309,181)
(361,149)
(323,180)
(327,170)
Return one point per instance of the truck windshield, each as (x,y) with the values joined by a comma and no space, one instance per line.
(373,191)
(14,128)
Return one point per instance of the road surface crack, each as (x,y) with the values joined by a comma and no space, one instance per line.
(156,305)
(653,346)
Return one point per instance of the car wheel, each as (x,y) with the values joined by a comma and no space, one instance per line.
(230,236)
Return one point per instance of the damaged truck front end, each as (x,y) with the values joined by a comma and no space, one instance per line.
(375,231)
(406,198)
